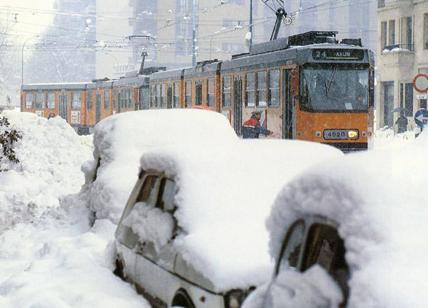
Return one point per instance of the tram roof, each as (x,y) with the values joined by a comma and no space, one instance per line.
(55,86)
(292,55)
(174,74)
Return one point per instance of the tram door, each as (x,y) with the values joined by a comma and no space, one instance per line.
(98,108)
(169,97)
(62,105)
(287,119)
(237,104)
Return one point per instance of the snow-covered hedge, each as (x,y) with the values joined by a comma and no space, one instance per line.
(49,154)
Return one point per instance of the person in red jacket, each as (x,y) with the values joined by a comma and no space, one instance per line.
(252,127)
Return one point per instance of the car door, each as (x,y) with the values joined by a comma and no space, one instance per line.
(154,260)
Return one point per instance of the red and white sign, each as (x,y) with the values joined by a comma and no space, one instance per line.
(420,83)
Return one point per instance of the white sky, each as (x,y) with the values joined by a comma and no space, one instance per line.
(27,18)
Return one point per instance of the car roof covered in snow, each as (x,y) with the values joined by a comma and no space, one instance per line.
(121,139)
(224,195)
(381,208)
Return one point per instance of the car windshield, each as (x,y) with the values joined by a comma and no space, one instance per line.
(335,88)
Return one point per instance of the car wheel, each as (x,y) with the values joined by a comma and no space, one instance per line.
(118,269)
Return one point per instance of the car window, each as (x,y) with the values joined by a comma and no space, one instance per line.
(292,246)
(149,190)
(326,248)
(167,192)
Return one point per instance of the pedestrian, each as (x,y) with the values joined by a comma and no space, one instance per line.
(402,123)
(252,127)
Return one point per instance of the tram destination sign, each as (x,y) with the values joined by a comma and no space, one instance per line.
(338,54)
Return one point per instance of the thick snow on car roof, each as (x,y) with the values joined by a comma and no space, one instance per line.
(120,140)
(380,202)
(224,196)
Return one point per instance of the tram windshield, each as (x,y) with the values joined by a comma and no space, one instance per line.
(335,88)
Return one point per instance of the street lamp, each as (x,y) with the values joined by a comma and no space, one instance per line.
(22,57)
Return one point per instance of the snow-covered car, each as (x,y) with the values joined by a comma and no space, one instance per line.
(120,140)
(192,233)
(352,232)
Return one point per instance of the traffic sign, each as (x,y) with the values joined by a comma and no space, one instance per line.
(421,117)
(420,83)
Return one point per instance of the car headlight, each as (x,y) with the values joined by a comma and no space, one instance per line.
(352,134)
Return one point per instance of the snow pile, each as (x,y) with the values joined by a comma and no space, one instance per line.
(50,154)
(120,141)
(49,256)
(150,224)
(379,200)
(386,138)
(224,195)
(313,288)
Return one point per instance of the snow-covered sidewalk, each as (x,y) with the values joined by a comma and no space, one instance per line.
(49,255)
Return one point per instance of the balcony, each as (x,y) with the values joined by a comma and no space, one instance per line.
(398,48)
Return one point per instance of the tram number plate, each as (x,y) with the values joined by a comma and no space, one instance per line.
(335,134)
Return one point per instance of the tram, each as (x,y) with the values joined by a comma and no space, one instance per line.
(308,87)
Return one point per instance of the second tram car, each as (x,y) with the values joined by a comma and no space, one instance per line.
(308,87)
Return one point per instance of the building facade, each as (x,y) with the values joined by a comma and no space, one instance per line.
(402,54)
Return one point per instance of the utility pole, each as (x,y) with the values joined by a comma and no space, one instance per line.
(194,9)
(251,23)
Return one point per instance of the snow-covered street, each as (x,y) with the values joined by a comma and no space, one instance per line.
(49,255)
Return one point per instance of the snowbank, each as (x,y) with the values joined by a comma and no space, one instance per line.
(49,257)
(379,200)
(120,141)
(224,195)
(50,154)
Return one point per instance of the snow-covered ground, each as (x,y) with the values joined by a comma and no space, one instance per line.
(49,256)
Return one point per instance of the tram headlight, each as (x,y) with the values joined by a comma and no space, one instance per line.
(352,134)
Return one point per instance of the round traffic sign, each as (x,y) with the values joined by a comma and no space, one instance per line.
(420,83)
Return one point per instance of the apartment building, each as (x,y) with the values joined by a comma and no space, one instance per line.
(402,54)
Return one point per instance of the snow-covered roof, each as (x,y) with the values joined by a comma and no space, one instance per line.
(224,195)
(120,140)
(379,200)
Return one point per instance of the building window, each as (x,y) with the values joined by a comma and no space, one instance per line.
(388,103)
(380,3)
(226,92)
(391,32)
(250,86)
(188,93)
(273,97)
(39,100)
(106,100)
(51,100)
(29,100)
(210,92)
(383,34)
(426,31)
(261,89)
(407,33)
(406,98)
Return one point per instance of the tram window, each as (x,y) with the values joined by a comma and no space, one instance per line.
(130,98)
(76,103)
(158,96)
(51,100)
(188,93)
(88,100)
(210,92)
(164,95)
(106,100)
(226,93)
(273,95)
(250,97)
(39,100)
(261,89)
(29,100)
(198,92)
(176,95)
